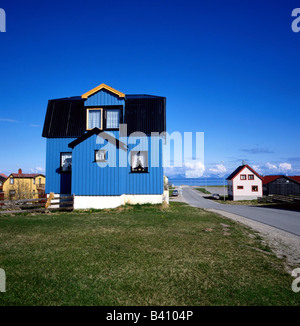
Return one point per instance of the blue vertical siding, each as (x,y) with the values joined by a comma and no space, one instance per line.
(88,179)
(54,147)
(146,183)
(104,97)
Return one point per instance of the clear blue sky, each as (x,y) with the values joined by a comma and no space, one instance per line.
(228,68)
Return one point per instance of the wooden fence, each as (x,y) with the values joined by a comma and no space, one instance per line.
(65,203)
(279,199)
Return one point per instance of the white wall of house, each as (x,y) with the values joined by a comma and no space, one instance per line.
(101,202)
(244,189)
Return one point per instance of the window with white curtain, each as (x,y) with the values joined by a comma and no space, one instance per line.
(112,118)
(139,161)
(94,118)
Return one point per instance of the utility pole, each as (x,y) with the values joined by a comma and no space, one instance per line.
(222,162)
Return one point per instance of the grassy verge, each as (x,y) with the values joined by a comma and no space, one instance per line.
(287,206)
(203,190)
(238,202)
(142,255)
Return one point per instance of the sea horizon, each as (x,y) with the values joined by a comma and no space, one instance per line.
(209,181)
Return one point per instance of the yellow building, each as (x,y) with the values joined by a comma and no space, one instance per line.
(24,186)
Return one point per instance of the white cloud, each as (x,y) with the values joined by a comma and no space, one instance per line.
(271,166)
(284,167)
(194,169)
(281,168)
(191,169)
(8,120)
(219,169)
(257,168)
(37,169)
(173,170)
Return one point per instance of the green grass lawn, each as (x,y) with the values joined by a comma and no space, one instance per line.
(203,190)
(142,255)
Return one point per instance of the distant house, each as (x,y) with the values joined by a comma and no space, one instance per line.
(3,177)
(24,185)
(281,185)
(244,184)
(88,150)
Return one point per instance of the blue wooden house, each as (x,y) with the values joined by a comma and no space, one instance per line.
(105,148)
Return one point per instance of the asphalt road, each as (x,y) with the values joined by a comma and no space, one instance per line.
(282,219)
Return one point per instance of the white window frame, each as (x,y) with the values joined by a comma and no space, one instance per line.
(87,117)
(107,111)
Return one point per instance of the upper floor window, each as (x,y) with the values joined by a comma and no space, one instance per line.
(34,181)
(112,118)
(250,176)
(94,118)
(243,177)
(11,181)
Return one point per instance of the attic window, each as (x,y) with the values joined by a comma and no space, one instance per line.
(243,177)
(94,118)
(112,118)
(250,176)
(11,181)
(139,161)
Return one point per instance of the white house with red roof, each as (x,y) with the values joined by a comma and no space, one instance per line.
(244,184)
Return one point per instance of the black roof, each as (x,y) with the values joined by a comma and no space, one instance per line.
(66,117)
(133,96)
(145,114)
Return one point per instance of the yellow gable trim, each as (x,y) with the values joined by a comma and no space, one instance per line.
(102,86)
